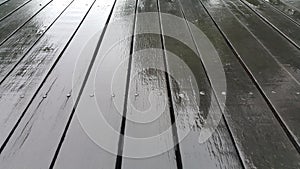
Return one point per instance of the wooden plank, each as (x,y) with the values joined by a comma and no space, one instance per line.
(15,48)
(289,29)
(46,118)
(294,3)
(286,9)
(147,110)
(250,119)
(192,112)
(20,87)
(10,7)
(285,54)
(281,63)
(2,2)
(78,149)
(11,24)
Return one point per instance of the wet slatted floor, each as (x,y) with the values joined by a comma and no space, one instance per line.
(160,84)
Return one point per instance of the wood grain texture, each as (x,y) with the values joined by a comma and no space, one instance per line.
(46,118)
(286,9)
(281,23)
(78,149)
(77,75)
(22,85)
(10,7)
(194,100)
(16,47)
(147,109)
(268,134)
(14,22)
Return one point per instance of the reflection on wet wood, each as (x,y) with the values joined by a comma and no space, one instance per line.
(255,62)
(11,7)
(16,20)
(23,83)
(65,62)
(193,99)
(99,94)
(46,117)
(285,26)
(147,106)
(24,40)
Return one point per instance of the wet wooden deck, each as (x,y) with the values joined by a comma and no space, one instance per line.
(54,65)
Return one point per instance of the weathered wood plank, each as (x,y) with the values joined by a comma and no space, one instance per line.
(78,149)
(294,3)
(46,118)
(20,87)
(11,24)
(193,107)
(287,10)
(2,2)
(10,7)
(15,48)
(289,29)
(285,54)
(248,116)
(147,109)
(278,63)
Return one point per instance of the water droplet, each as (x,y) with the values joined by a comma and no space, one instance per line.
(291,11)
(250,93)
(92,95)
(45,95)
(22,96)
(298,93)
(136,94)
(68,95)
(40,4)
(181,95)
(202,93)
(273,91)
(113,95)
(223,93)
